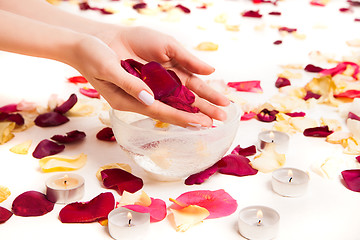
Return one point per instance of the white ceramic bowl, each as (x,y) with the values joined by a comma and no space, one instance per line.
(173,152)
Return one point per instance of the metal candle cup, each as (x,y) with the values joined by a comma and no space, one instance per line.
(258,222)
(290,182)
(65,188)
(280,139)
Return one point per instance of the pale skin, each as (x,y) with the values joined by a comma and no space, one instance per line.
(36,28)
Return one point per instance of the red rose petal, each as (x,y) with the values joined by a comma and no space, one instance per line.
(353,116)
(70,137)
(349,94)
(183,8)
(77,79)
(267,116)
(89,92)
(346,10)
(358,159)
(310,94)
(247,116)
(236,165)
(286,29)
(9,108)
(121,180)
(251,13)
(139,6)
(67,105)
(249,151)
(317,3)
(354,3)
(322,131)
(4,214)
(31,203)
(157,209)
(12,117)
(340,68)
(50,119)
(202,176)
(282,82)
(106,134)
(47,148)
(84,212)
(312,68)
(132,67)
(296,114)
(278,42)
(219,203)
(246,86)
(352,179)
(275,13)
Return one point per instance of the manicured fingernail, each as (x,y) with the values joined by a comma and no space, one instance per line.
(146,97)
(195,125)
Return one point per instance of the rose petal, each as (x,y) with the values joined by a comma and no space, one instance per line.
(26,106)
(275,13)
(251,13)
(70,137)
(4,214)
(183,8)
(352,179)
(202,176)
(207,46)
(47,148)
(157,209)
(313,68)
(349,94)
(247,116)
(122,166)
(246,86)
(296,114)
(236,165)
(268,160)
(77,79)
(121,180)
(322,131)
(286,29)
(31,203)
(62,163)
(189,216)
(89,92)
(4,193)
(267,116)
(310,94)
(282,82)
(353,116)
(278,42)
(358,159)
(67,105)
(84,212)
(9,108)
(12,117)
(249,151)
(50,119)
(21,148)
(340,68)
(133,67)
(6,131)
(219,203)
(106,134)
(139,6)
(141,199)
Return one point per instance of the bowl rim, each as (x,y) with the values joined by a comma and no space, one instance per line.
(200,131)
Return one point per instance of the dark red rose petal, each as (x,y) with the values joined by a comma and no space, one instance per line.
(358,159)
(282,82)
(277,42)
(353,116)
(251,13)
(286,29)
(354,3)
(121,180)
(67,105)
(236,165)
(312,68)
(275,13)
(267,116)
(12,117)
(202,176)
(352,179)
(84,6)
(322,131)
(130,67)
(106,134)
(50,119)
(84,212)
(183,8)
(31,203)
(9,108)
(346,10)
(77,79)
(296,114)
(4,214)
(349,94)
(310,94)
(70,137)
(249,151)
(357,19)
(139,6)
(47,148)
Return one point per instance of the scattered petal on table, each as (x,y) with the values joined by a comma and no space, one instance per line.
(282,82)
(62,163)
(4,215)
(207,46)
(157,209)
(183,8)
(296,114)
(4,193)
(9,108)
(89,92)
(121,180)
(202,176)
(67,105)
(31,203)
(252,14)
(46,148)
(310,94)
(70,137)
(313,68)
(269,160)
(266,115)
(236,165)
(141,199)
(50,119)
(353,116)
(352,179)
(6,131)
(77,79)
(189,216)
(106,134)
(248,115)
(248,151)
(348,94)
(21,148)
(246,86)
(122,166)
(322,131)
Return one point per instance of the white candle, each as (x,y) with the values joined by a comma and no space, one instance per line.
(127,224)
(65,188)
(258,222)
(290,182)
(280,139)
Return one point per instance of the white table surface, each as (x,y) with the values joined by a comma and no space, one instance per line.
(327,211)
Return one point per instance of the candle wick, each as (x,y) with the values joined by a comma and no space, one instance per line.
(290,179)
(130,222)
(259,222)
(65,182)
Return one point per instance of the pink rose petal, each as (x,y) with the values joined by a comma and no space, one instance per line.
(340,68)
(67,105)
(47,148)
(31,203)
(70,137)
(267,116)
(358,159)
(312,68)
(9,108)
(89,92)
(219,203)
(202,176)
(310,94)
(353,116)
(349,94)
(282,82)
(84,212)
(251,13)
(249,151)
(352,179)
(247,116)
(322,131)
(77,79)
(157,209)
(4,214)
(296,114)
(246,86)
(106,134)
(121,180)
(50,119)
(236,165)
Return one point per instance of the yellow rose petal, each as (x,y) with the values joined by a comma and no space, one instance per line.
(189,216)
(141,199)
(4,193)
(21,148)
(269,160)
(62,163)
(207,46)
(122,166)
(5,131)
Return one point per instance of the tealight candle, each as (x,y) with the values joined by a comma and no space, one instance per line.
(65,188)
(280,139)
(127,224)
(290,182)
(258,222)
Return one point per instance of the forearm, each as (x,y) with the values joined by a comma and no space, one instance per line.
(22,35)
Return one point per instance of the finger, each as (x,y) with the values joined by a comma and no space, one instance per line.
(209,109)
(188,60)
